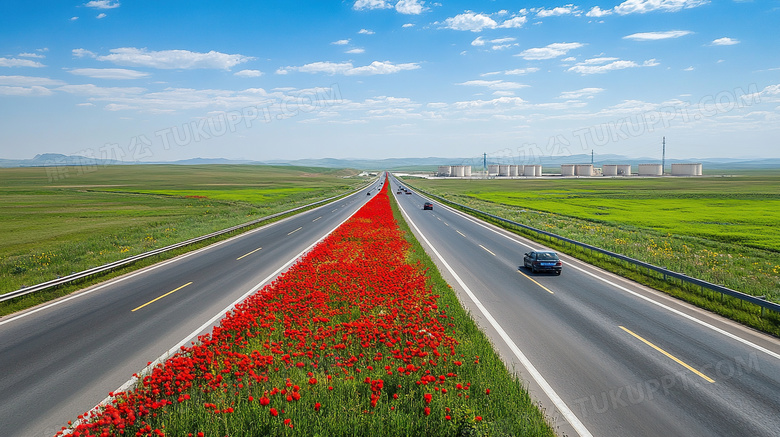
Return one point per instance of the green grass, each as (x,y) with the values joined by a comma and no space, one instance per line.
(53,228)
(717,229)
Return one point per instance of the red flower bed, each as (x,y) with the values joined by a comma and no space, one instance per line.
(352,326)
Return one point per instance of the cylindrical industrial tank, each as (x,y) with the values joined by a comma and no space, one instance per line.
(583,170)
(651,170)
(624,169)
(538,170)
(567,169)
(686,169)
(503,170)
(458,171)
(513,170)
(445,170)
(467,171)
(609,170)
(529,170)
(493,170)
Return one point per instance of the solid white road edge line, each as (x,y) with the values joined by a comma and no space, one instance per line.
(211,321)
(548,390)
(634,293)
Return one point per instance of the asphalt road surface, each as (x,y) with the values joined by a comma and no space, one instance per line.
(604,356)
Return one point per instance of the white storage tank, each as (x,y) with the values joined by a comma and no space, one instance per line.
(513,170)
(624,169)
(583,170)
(503,170)
(538,170)
(651,170)
(686,169)
(493,170)
(609,170)
(444,170)
(520,170)
(532,170)
(567,169)
(458,171)
(467,171)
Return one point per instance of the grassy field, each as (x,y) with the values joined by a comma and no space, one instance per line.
(719,229)
(54,228)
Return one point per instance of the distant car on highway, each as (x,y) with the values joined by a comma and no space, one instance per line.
(428,206)
(368,194)
(542,261)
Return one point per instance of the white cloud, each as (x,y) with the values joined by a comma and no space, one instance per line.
(495,84)
(102,4)
(109,73)
(341,42)
(28,81)
(689,68)
(654,36)
(725,41)
(644,6)
(408,25)
(24,91)
(371,4)
(558,11)
(478,42)
(366,31)
(96,91)
(604,64)
(578,94)
(101,15)
(550,51)
(31,55)
(519,71)
(172,59)
(495,103)
(355,51)
(597,12)
(16,62)
(514,22)
(82,53)
(498,43)
(470,21)
(74,18)
(248,73)
(410,7)
(346,68)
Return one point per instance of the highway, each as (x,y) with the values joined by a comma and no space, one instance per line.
(61,359)
(603,355)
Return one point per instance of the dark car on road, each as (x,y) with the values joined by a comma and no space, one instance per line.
(542,261)
(428,205)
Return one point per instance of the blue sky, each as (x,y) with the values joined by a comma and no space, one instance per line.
(262,80)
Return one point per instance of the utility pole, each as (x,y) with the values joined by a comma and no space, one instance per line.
(484,163)
(663,157)
(591,156)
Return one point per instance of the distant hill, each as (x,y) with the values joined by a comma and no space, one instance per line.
(407,164)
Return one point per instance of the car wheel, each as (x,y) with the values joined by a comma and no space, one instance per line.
(533,269)
(558,273)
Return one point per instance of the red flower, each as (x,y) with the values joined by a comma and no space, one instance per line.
(478,418)
(428,398)
(264,401)
(274,412)
(427,411)
(317,406)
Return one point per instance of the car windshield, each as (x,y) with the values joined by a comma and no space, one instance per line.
(546,256)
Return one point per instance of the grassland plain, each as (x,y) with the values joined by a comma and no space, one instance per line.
(53,228)
(719,229)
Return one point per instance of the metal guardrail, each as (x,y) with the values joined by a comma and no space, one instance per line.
(763,303)
(126,261)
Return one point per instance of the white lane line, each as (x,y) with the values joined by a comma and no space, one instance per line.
(290,233)
(487,250)
(634,293)
(548,390)
(316,219)
(461,234)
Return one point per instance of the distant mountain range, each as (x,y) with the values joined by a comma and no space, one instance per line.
(422,164)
